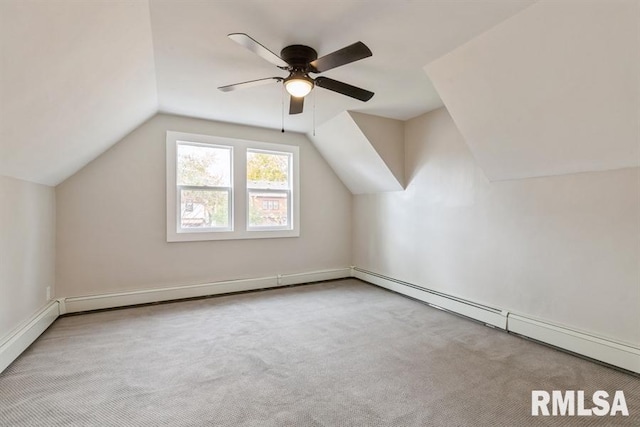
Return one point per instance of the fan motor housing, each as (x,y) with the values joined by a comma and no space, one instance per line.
(298,56)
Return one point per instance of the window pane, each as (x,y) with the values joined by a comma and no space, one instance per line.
(204,209)
(268,170)
(268,209)
(204,166)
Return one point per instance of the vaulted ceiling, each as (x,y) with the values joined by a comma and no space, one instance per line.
(76,76)
(553,90)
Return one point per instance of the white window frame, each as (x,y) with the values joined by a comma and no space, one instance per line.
(239,205)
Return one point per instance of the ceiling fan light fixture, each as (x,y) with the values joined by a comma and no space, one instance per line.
(298,85)
(300,60)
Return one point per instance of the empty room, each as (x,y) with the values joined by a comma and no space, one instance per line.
(319,213)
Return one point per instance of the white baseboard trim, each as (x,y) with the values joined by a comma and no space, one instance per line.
(24,336)
(314,276)
(603,349)
(16,342)
(614,353)
(606,350)
(145,296)
(489,315)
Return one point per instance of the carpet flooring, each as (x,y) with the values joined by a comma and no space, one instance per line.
(340,353)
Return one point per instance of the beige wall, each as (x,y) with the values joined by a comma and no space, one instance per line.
(111,233)
(565,248)
(27,243)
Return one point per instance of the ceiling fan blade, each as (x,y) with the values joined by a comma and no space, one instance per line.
(346,55)
(250,83)
(296,104)
(344,88)
(244,40)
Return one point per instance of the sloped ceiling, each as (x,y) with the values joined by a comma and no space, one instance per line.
(386,136)
(552,90)
(78,75)
(365,151)
(75,77)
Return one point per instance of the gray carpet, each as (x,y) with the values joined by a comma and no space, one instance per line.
(340,353)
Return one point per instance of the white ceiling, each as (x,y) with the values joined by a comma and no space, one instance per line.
(194,56)
(76,76)
(553,90)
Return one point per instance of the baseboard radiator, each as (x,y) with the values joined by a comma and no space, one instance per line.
(485,314)
(24,335)
(622,355)
(145,296)
(615,353)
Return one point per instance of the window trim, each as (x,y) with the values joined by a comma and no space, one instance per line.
(239,204)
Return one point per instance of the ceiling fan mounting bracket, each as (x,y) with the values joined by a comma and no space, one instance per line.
(298,57)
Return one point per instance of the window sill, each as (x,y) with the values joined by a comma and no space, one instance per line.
(231,235)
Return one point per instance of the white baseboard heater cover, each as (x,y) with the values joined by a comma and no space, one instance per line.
(489,315)
(622,355)
(606,350)
(145,296)
(18,341)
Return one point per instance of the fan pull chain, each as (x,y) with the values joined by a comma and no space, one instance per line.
(314,113)
(282,109)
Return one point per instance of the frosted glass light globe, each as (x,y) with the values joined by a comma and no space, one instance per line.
(298,87)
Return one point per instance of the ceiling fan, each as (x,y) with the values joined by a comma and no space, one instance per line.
(300,61)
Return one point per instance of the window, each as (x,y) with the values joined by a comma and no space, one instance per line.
(268,184)
(203,178)
(223,188)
